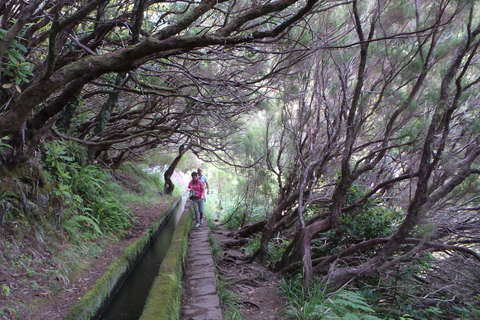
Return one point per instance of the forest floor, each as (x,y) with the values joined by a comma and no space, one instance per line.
(256,289)
(34,296)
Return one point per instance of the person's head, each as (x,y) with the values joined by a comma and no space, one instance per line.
(194,176)
(199,170)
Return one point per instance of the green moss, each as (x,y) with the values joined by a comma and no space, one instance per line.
(88,305)
(164,298)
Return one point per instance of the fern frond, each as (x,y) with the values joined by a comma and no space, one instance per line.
(370,317)
(350,316)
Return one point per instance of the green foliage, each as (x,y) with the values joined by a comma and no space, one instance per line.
(14,64)
(233,313)
(87,192)
(234,217)
(424,230)
(467,311)
(253,246)
(2,146)
(276,247)
(187,163)
(112,215)
(81,222)
(228,300)
(215,247)
(410,289)
(5,290)
(231,219)
(76,151)
(9,204)
(58,162)
(371,220)
(143,182)
(317,304)
(232,222)
(368,223)
(404,317)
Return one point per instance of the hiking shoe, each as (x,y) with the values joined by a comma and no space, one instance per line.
(197,225)
(201,221)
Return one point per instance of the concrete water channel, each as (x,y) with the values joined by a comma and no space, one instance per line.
(126,288)
(128,302)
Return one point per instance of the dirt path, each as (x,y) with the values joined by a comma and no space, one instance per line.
(256,287)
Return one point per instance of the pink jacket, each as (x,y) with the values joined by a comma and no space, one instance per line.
(198,188)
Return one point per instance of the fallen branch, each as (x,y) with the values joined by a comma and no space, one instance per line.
(235,243)
(249,230)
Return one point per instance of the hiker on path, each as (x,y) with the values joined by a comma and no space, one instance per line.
(198,199)
(205,182)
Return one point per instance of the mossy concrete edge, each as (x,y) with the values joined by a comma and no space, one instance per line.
(93,300)
(164,298)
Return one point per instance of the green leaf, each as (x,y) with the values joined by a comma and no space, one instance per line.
(12,57)
(8,72)
(20,46)
(370,317)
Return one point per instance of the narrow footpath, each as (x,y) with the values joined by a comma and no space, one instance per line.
(200,300)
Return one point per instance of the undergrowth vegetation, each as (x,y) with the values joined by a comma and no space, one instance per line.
(57,213)
(89,198)
(229,300)
(419,288)
(317,303)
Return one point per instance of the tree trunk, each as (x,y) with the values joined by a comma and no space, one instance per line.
(17,142)
(269,228)
(247,231)
(297,251)
(169,186)
(104,116)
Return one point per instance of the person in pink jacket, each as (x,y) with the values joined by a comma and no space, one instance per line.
(197,200)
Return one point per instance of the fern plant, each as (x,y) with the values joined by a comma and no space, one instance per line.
(9,203)
(112,215)
(81,222)
(3,145)
(348,305)
(85,191)
(317,304)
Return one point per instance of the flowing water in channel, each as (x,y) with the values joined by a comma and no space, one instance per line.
(129,300)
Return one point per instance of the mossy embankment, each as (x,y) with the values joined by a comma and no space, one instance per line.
(95,298)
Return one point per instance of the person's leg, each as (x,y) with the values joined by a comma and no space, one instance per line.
(197,211)
(201,208)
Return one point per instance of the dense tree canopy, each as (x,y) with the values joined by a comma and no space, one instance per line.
(367,112)
(126,76)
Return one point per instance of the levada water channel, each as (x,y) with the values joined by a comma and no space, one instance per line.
(128,301)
